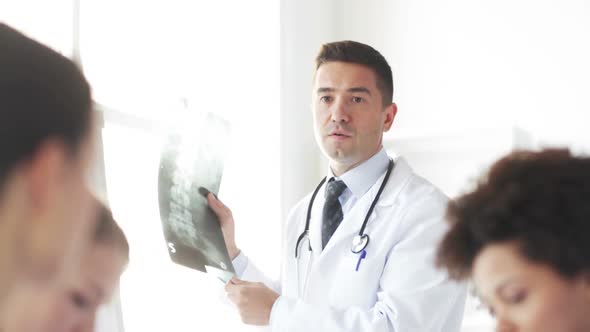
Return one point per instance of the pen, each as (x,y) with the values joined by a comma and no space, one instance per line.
(362,255)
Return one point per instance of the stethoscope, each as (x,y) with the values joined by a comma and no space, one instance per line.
(359,242)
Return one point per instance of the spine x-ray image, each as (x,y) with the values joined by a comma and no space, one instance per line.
(191,165)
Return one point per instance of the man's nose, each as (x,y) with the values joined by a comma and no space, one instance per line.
(339,111)
(88,325)
(504,325)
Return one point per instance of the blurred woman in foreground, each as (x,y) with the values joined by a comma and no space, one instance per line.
(74,309)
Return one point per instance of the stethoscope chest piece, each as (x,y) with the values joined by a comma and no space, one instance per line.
(359,243)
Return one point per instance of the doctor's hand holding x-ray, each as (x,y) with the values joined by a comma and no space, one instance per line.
(253,299)
(358,251)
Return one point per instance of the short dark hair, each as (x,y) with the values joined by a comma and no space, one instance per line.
(362,54)
(108,232)
(538,200)
(42,95)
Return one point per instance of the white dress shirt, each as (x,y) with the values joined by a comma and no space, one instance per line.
(360,179)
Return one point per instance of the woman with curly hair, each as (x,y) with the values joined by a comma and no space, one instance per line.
(522,236)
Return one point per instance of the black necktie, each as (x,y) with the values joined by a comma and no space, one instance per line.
(332,214)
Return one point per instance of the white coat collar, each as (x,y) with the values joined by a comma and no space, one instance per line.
(402,172)
(361,178)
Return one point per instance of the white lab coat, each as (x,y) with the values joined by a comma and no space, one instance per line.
(396,288)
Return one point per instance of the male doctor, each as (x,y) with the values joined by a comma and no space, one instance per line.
(389,282)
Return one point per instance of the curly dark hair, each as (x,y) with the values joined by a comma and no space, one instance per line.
(539,200)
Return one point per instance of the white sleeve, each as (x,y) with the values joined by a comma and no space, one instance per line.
(246,270)
(240,263)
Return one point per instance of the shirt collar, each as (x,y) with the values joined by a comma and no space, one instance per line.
(361,178)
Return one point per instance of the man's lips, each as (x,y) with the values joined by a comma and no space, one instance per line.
(338,133)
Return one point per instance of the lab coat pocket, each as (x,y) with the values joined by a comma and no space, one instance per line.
(360,283)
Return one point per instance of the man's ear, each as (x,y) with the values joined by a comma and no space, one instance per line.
(46,168)
(390,112)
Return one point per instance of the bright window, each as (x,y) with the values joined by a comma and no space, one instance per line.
(148,62)
(49,22)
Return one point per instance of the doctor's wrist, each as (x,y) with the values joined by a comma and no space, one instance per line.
(233,252)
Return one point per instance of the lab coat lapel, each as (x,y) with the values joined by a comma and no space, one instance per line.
(388,201)
(399,177)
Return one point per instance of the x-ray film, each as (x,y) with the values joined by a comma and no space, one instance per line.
(191,165)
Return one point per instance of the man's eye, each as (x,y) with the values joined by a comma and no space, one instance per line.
(357,100)
(79,300)
(517,297)
(491,312)
(325,99)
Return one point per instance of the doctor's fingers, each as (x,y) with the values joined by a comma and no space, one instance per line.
(235,286)
(236,281)
(222,211)
(231,288)
(243,291)
(237,294)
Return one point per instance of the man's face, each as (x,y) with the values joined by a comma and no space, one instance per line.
(349,115)
(53,236)
(529,297)
(63,213)
(73,307)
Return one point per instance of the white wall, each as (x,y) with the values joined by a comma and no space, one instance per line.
(49,22)
(464,63)
(305,25)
